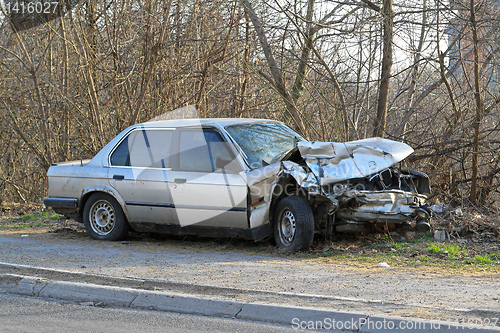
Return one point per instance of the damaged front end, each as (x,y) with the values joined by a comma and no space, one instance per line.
(355,185)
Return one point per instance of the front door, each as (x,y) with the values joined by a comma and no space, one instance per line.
(206,189)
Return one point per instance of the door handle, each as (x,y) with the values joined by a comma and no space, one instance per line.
(119,177)
(179,180)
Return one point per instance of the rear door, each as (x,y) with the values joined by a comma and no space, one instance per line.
(205,192)
(139,169)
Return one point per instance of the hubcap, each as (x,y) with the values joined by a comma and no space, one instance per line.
(287,227)
(102,217)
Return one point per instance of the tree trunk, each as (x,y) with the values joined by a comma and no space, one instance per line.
(298,85)
(277,78)
(479,107)
(64,84)
(385,75)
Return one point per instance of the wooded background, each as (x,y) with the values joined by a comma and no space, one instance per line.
(424,72)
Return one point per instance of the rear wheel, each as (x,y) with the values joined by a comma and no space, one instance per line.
(104,219)
(293,224)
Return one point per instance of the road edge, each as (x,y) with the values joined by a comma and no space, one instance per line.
(296,317)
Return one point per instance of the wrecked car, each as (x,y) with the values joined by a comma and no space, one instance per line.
(248,178)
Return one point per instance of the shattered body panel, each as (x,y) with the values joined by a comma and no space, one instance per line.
(261,184)
(357,159)
(360,179)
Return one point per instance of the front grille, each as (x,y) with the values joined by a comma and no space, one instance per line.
(383,179)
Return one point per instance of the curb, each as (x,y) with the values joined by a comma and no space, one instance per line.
(295,317)
(262,296)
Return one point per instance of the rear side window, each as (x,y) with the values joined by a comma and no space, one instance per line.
(144,148)
(121,156)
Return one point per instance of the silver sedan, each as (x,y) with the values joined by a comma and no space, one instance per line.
(248,178)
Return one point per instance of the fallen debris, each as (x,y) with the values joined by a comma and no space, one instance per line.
(383,264)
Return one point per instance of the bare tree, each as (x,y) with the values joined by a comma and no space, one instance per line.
(69,85)
(277,78)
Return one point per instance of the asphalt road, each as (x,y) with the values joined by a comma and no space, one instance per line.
(429,294)
(27,314)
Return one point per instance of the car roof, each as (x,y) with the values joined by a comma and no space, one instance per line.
(204,122)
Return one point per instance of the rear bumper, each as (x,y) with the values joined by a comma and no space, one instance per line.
(55,203)
(64,206)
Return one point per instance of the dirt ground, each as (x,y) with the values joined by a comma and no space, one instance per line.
(471,244)
(422,277)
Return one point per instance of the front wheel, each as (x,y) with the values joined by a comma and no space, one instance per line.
(293,224)
(104,219)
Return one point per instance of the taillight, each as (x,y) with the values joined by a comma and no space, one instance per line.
(47,182)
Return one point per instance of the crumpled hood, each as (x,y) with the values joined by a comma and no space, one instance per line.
(355,159)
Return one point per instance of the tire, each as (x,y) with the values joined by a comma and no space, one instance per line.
(104,219)
(293,224)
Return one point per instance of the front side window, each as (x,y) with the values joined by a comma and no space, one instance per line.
(199,150)
(144,148)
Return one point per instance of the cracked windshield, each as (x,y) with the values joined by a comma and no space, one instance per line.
(264,144)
